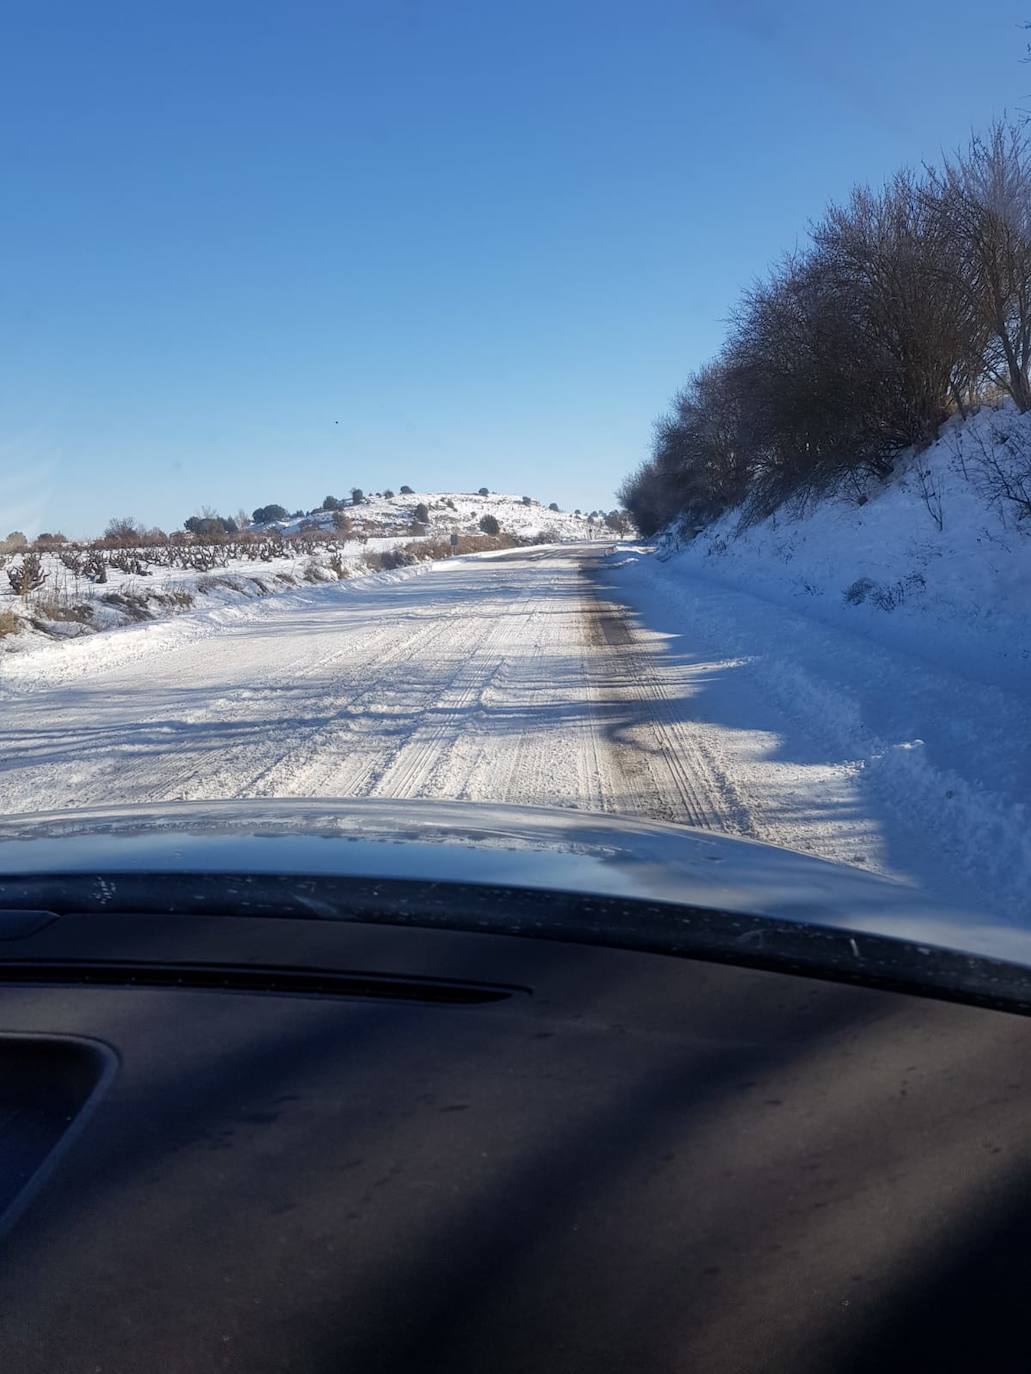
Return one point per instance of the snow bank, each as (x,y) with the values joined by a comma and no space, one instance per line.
(226,604)
(881,653)
(927,563)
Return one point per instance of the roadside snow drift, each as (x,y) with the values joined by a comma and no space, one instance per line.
(878,655)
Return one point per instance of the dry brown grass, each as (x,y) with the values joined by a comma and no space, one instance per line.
(467,543)
(9,624)
(60,608)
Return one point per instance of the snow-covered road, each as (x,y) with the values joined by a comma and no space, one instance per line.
(488,678)
(525,677)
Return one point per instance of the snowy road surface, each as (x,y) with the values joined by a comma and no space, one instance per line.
(524,678)
(500,679)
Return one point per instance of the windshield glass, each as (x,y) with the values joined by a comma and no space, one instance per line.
(614,409)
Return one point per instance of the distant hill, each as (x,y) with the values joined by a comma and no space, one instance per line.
(448,511)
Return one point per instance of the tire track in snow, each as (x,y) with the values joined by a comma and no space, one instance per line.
(669,763)
(425,757)
(553,756)
(308,764)
(341,758)
(190,778)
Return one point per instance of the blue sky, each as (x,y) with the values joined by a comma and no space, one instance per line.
(259,252)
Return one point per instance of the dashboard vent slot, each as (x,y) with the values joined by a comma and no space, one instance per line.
(251,978)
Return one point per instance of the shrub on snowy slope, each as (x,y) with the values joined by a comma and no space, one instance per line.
(1000,468)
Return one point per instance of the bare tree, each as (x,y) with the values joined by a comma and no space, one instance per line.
(895,266)
(983,198)
(123,530)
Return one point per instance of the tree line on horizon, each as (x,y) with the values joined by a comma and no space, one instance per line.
(906,305)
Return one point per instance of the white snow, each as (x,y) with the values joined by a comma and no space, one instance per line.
(893,733)
(454,510)
(741,691)
(465,678)
(961,593)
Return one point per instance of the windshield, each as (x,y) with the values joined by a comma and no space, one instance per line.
(617,409)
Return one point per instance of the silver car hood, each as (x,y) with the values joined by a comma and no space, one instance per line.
(494,845)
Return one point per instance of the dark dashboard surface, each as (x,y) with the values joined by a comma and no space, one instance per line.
(609,1161)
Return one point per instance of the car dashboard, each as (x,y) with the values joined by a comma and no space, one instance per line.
(261,1143)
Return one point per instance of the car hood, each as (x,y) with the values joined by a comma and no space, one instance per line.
(560,850)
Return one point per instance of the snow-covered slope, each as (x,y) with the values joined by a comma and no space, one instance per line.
(865,669)
(450,511)
(927,561)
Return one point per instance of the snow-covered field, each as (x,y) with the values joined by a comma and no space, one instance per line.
(67,606)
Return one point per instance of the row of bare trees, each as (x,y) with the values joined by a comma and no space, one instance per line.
(907,305)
